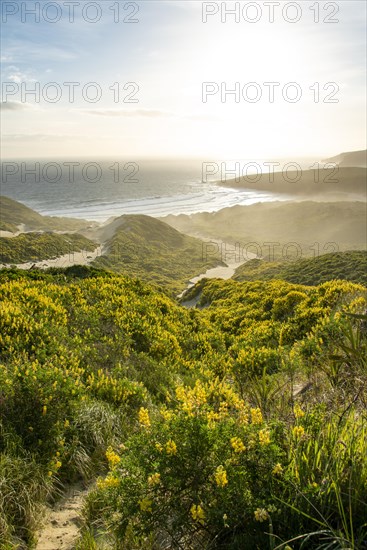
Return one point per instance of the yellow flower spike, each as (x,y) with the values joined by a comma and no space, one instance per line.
(44,410)
(167,415)
(261,514)
(237,445)
(256,416)
(112,457)
(171,448)
(264,437)
(298,431)
(144,417)
(242,416)
(159,447)
(221,476)
(154,479)
(197,513)
(108,482)
(298,412)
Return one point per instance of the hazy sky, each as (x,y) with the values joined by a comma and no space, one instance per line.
(169,52)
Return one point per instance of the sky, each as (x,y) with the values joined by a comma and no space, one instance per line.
(153,79)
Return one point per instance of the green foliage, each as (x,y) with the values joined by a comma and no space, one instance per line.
(327,476)
(153,251)
(14,214)
(96,366)
(310,225)
(33,247)
(350,266)
(23,486)
(6,226)
(193,480)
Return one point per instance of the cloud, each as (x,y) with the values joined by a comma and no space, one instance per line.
(14,106)
(145,113)
(14,74)
(43,138)
(202,118)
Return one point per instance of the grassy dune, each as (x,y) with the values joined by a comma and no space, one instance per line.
(145,247)
(350,266)
(13,214)
(333,225)
(317,182)
(33,247)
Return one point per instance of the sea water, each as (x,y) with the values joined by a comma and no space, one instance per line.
(99,190)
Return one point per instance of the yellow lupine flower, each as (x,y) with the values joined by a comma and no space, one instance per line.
(221,476)
(298,431)
(167,415)
(256,416)
(154,479)
(171,448)
(243,417)
(44,410)
(198,513)
(212,417)
(264,437)
(261,514)
(237,445)
(112,457)
(109,482)
(144,417)
(298,412)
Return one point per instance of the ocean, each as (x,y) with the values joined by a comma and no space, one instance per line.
(98,190)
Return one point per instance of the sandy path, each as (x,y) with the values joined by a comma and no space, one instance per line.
(61,523)
(84,257)
(10,235)
(230,255)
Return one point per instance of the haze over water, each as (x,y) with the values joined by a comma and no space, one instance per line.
(151,187)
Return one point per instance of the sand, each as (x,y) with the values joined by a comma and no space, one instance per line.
(85,257)
(61,523)
(232,261)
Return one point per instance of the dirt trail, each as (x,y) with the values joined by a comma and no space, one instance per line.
(61,524)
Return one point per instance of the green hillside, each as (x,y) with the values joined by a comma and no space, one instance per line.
(13,214)
(33,247)
(240,425)
(317,182)
(350,266)
(145,247)
(139,246)
(319,227)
